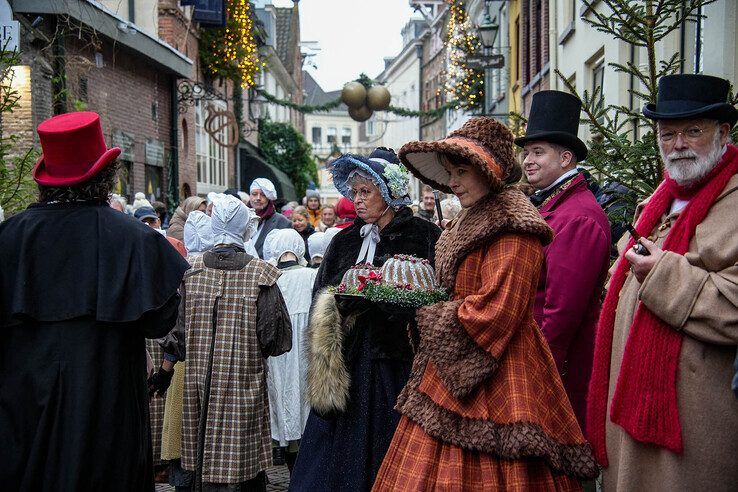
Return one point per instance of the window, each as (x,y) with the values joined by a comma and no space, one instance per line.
(598,80)
(212,158)
(534,39)
(346,137)
(317,136)
(123,180)
(370,127)
(152,182)
(537,37)
(598,76)
(570,9)
(331,135)
(498,75)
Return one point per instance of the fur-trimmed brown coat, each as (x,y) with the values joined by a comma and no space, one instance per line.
(484,378)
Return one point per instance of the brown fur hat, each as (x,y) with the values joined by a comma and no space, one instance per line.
(484,142)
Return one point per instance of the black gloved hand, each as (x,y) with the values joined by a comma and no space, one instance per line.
(351,304)
(159,382)
(395,312)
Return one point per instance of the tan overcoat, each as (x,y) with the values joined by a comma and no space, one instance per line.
(696,294)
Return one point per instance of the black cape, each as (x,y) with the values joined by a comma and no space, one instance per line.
(343,452)
(81,285)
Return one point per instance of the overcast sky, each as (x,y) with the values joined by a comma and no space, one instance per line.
(354,36)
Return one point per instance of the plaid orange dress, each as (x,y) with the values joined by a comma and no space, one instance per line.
(484,408)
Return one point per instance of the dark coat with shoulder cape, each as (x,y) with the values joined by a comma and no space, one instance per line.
(371,356)
(81,285)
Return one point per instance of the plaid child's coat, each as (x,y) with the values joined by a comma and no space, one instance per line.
(226,412)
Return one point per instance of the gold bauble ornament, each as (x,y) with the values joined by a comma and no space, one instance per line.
(378,98)
(353,95)
(360,114)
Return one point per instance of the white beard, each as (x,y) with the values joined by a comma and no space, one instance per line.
(686,172)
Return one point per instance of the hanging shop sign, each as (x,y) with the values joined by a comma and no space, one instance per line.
(189,92)
(222,125)
(208,13)
(482,62)
(9,34)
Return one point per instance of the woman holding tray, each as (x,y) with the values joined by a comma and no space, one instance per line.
(359,356)
(484,407)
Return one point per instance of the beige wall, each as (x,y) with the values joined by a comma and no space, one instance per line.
(721,42)
(146,13)
(577,48)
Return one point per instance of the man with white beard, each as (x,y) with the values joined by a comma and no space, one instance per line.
(661,415)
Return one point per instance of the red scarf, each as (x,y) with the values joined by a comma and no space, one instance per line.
(266,212)
(645,399)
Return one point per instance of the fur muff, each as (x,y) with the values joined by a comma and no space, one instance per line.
(328,379)
(459,361)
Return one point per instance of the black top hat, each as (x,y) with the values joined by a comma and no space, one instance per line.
(692,96)
(554,117)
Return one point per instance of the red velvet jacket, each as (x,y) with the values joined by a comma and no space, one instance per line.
(572,276)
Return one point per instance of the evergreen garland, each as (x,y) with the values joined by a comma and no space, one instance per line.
(330,105)
(303,108)
(381,292)
(414,298)
(431,113)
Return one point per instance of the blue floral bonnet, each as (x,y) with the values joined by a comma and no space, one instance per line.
(385,170)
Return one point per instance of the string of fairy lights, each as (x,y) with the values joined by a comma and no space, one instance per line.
(233,53)
(462,84)
(236,48)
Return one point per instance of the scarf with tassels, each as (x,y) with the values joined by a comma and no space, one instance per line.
(645,399)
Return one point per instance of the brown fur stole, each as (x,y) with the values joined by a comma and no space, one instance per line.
(497,213)
(461,363)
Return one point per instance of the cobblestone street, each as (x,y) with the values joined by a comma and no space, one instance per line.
(279,480)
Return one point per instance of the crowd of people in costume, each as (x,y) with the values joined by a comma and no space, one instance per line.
(205,347)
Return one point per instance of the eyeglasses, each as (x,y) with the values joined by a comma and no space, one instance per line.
(691,134)
(362,193)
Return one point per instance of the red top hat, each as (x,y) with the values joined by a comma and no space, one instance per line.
(73,150)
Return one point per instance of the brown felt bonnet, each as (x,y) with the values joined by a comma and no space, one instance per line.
(483,142)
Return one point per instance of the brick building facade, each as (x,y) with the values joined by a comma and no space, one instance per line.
(134,100)
(86,58)
(177,29)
